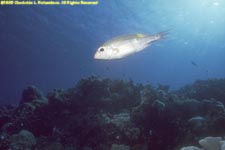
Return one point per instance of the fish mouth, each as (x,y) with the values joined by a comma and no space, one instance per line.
(96,56)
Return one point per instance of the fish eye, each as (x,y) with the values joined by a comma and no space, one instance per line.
(101,49)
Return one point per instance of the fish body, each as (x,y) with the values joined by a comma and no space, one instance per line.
(125,45)
(194,63)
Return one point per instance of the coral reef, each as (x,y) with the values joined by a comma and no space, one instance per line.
(24,140)
(105,114)
(208,143)
(205,89)
(119,147)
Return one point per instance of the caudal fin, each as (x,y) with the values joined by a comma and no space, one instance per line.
(161,35)
(156,37)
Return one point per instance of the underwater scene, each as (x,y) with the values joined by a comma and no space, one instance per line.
(113,75)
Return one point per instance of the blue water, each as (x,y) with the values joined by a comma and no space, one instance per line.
(53,46)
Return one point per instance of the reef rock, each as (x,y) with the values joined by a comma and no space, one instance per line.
(205,89)
(6,114)
(120,147)
(97,113)
(208,143)
(31,93)
(211,143)
(160,106)
(24,140)
(190,148)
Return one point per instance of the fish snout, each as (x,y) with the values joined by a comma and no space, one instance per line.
(96,56)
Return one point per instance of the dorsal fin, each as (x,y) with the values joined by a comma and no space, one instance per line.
(139,35)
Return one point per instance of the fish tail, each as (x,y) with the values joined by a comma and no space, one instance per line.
(157,36)
(161,35)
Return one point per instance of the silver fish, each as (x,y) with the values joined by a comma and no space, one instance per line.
(125,45)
